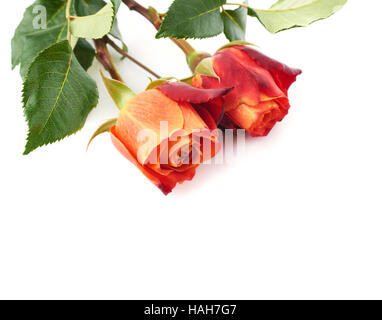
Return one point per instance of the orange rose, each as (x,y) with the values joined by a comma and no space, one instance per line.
(260,95)
(169,157)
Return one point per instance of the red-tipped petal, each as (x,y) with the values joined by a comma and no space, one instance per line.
(182,92)
(252,84)
(283,75)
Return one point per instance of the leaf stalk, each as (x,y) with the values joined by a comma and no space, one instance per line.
(68,5)
(237,4)
(152,15)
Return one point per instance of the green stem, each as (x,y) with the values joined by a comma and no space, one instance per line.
(237,4)
(68,5)
(104,57)
(155,19)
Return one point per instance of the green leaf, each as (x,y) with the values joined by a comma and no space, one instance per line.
(28,41)
(115,32)
(38,41)
(103,129)
(87,8)
(286,14)
(94,26)
(235,23)
(252,12)
(192,19)
(85,53)
(58,96)
(116,4)
(119,92)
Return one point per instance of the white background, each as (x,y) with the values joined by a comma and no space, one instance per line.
(297,216)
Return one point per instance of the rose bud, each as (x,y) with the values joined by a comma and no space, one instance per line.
(260,95)
(169,156)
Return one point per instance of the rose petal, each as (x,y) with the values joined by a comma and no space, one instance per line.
(259,120)
(182,92)
(206,116)
(145,112)
(165,183)
(192,120)
(282,74)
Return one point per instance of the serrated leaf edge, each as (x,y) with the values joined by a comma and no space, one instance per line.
(25,100)
(162,34)
(103,11)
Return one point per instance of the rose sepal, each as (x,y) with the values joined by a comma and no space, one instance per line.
(103,128)
(194,59)
(205,68)
(118,91)
(236,43)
